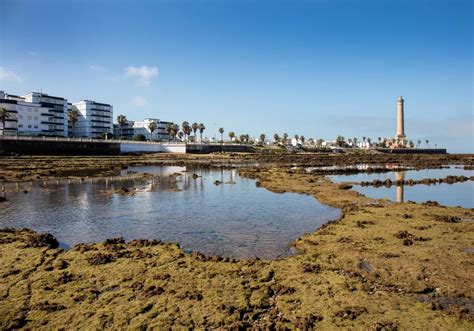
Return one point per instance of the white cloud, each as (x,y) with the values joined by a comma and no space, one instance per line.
(140,101)
(96,67)
(9,75)
(143,74)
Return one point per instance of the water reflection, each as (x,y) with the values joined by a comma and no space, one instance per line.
(457,194)
(174,204)
(400,175)
(415,174)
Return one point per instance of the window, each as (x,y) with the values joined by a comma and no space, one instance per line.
(29,126)
(20,116)
(36,126)
(36,118)
(29,117)
(20,125)
(36,110)
(29,110)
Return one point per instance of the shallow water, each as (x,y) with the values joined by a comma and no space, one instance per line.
(458,194)
(235,219)
(415,174)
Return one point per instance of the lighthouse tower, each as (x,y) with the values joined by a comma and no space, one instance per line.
(400,137)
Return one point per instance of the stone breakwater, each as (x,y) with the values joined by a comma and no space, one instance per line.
(381,266)
(411,182)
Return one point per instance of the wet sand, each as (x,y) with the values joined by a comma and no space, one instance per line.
(382,266)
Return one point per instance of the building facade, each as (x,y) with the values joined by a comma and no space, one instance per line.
(40,114)
(134,128)
(56,116)
(35,114)
(94,119)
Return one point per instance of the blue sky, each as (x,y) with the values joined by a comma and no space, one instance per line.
(313,68)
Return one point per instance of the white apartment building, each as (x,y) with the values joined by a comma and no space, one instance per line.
(135,128)
(142,128)
(94,119)
(35,114)
(55,118)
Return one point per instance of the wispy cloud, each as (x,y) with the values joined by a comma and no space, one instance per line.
(140,101)
(8,75)
(143,74)
(96,67)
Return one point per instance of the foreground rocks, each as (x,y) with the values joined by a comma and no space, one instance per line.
(382,266)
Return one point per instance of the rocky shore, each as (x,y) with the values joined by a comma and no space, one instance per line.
(30,168)
(411,182)
(381,266)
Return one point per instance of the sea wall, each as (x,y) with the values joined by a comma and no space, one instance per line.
(77,146)
(413,150)
(151,148)
(46,147)
(215,148)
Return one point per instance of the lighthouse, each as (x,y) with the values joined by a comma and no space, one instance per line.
(400,119)
(400,138)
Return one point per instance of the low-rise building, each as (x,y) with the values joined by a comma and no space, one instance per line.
(142,127)
(134,128)
(125,131)
(328,143)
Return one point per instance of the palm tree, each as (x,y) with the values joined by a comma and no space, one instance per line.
(175,130)
(355,141)
(72,116)
(340,141)
(364,139)
(231,135)
(285,137)
(180,135)
(380,140)
(350,141)
(262,138)
(319,142)
(242,138)
(169,130)
(195,127)
(427,142)
(419,142)
(276,137)
(302,138)
(185,127)
(187,130)
(221,131)
(152,127)
(369,140)
(121,120)
(201,130)
(297,138)
(4,115)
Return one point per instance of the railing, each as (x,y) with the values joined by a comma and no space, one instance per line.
(87,140)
